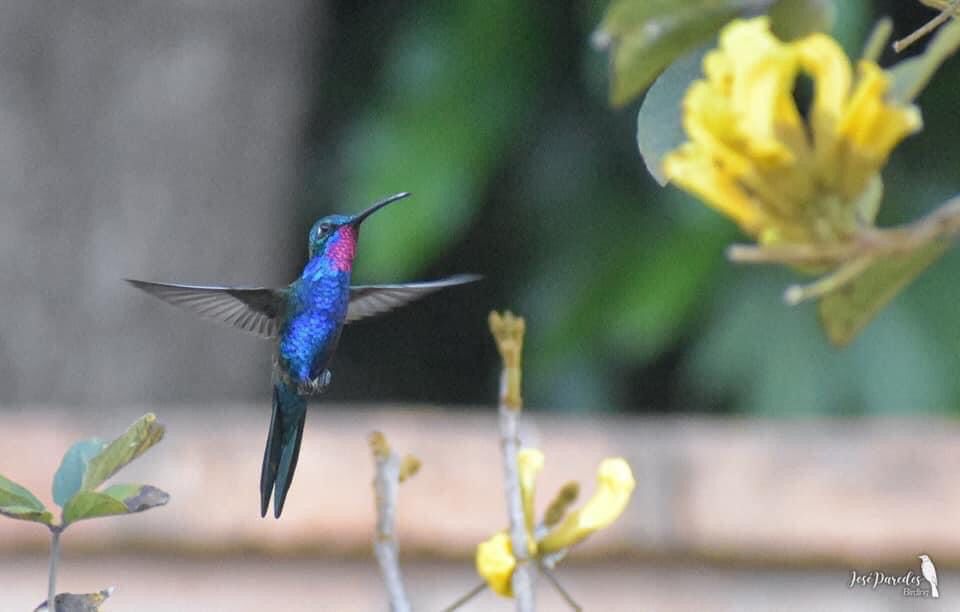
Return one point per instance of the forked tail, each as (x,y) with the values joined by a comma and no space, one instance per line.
(283,446)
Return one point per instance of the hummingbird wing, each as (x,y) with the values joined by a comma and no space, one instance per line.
(255,310)
(370,300)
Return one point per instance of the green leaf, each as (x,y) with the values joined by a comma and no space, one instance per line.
(112,501)
(646,36)
(660,120)
(71,602)
(141,436)
(69,477)
(845,311)
(911,75)
(17,502)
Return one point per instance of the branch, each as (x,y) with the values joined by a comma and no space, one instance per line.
(868,242)
(480,588)
(390,472)
(559,588)
(508,332)
(52,573)
(926,28)
(843,275)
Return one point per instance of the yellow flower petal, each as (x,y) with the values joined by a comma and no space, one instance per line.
(529,464)
(495,564)
(870,128)
(763,69)
(615,485)
(695,171)
(826,63)
(748,38)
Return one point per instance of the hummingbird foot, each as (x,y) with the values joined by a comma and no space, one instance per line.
(315,386)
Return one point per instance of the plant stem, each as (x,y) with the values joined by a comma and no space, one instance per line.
(941,224)
(559,587)
(508,331)
(386,484)
(926,28)
(843,275)
(522,583)
(470,595)
(52,579)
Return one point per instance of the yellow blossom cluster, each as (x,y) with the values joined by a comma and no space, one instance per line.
(753,156)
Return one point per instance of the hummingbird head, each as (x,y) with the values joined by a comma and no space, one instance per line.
(335,236)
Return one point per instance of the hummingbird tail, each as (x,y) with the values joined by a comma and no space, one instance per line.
(283,446)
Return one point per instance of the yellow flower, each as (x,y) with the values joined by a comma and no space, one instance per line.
(614,486)
(494,559)
(529,464)
(751,154)
(495,563)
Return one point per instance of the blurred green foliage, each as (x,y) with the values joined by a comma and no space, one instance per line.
(646,36)
(455,90)
(496,116)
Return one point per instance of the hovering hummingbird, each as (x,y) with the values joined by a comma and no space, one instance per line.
(306,318)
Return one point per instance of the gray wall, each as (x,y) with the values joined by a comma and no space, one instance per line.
(156,140)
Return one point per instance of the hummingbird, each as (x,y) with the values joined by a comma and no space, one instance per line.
(304,319)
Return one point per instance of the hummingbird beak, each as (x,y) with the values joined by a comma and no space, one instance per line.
(358,219)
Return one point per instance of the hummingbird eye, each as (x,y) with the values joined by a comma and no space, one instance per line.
(325,229)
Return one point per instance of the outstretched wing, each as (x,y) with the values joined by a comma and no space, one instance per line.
(370,300)
(255,310)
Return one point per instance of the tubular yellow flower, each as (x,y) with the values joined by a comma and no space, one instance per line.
(495,563)
(615,485)
(529,464)
(494,557)
(752,156)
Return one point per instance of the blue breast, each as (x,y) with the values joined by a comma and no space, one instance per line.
(316,309)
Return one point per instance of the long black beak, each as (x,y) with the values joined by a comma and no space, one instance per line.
(358,219)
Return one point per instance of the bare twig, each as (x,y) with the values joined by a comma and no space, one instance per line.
(871,242)
(470,595)
(791,254)
(559,587)
(522,584)
(389,473)
(52,577)
(841,263)
(844,274)
(926,28)
(508,332)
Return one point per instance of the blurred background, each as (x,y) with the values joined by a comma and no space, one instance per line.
(197,141)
